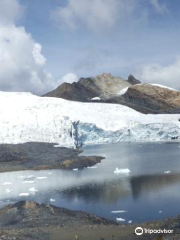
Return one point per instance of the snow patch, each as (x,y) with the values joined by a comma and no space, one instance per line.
(96,99)
(162,86)
(122,91)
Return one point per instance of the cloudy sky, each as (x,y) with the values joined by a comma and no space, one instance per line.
(46,42)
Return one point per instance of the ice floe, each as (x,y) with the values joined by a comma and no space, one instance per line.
(52,200)
(9,190)
(33,189)
(122,171)
(29,182)
(120,219)
(7,183)
(41,178)
(119,211)
(24,194)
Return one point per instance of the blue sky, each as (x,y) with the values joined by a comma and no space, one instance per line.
(88,37)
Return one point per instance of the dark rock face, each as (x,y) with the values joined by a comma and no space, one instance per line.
(85,89)
(132,80)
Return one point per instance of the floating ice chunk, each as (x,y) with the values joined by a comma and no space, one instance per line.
(167,172)
(93,167)
(7,183)
(29,182)
(9,190)
(75,169)
(33,189)
(122,171)
(130,221)
(30,176)
(52,200)
(41,178)
(120,219)
(119,211)
(21,177)
(160,211)
(24,194)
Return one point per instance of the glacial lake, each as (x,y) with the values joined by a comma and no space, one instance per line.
(150,191)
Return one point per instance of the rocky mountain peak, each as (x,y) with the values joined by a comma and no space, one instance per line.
(132,80)
(106,75)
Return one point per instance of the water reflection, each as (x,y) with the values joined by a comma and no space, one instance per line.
(147,193)
(154,183)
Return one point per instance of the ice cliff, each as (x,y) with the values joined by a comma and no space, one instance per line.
(28,118)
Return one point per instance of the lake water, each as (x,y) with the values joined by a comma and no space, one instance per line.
(150,191)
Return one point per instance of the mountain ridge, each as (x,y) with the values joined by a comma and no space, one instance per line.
(143,97)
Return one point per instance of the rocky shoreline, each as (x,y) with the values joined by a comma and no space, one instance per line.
(29,220)
(42,156)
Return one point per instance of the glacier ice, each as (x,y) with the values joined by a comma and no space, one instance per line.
(29,118)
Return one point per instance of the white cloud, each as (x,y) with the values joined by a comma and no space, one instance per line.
(166,75)
(102,15)
(10,11)
(159,7)
(69,78)
(96,15)
(22,63)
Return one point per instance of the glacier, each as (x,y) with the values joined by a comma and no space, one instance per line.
(25,117)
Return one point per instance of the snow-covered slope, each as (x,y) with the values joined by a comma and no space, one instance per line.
(25,117)
(162,86)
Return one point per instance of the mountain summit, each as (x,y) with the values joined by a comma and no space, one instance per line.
(103,86)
